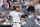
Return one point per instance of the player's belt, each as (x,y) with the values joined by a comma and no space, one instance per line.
(17,22)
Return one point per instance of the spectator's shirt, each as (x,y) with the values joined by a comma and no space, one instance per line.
(37,21)
(0,19)
(1,2)
(4,6)
(6,23)
(31,8)
(23,6)
(22,1)
(30,16)
(37,7)
(15,16)
(3,15)
(8,1)
(38,17)
(24,11)
(26,2)
(23,23)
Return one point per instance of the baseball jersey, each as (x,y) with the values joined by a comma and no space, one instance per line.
(15,16)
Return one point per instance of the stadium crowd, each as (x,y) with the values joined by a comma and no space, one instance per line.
(30,10)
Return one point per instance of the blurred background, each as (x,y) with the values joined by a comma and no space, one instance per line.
(29,8)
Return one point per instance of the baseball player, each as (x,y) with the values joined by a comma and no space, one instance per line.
(16,17)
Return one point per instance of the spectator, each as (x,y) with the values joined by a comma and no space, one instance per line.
(36,15)
(12,1)
(37,7)
(6,23)
(18,0)
(3,15)
(2,20)
(11,6)
(8,1)
(5,5)
(26,14)
(23,21)
(23,6)
(10,19)
(31,16)
(37,21)
(31,8)
(27,2)
(1,3)
(15,0)
(39,12)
